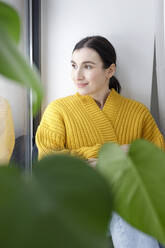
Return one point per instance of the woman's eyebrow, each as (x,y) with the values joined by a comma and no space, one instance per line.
(91,62)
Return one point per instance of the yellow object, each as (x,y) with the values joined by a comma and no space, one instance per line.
(7,137)
(76,124)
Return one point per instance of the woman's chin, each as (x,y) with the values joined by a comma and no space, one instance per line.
(82,91)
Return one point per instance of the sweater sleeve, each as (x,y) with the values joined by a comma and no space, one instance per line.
(151,131)
(51,137)
(7,136)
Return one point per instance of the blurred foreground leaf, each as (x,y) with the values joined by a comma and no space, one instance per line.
(10,21)
(12,64)
(64,204)
(137,181)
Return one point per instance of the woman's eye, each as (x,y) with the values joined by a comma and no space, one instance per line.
(73,65)
(88,67)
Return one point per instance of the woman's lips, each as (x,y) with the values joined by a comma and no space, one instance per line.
(81,85)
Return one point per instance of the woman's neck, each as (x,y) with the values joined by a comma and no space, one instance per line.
(100,102)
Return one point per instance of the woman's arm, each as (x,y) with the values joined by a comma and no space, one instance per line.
(51,143)
(7,137)
(151,132)
(51,137)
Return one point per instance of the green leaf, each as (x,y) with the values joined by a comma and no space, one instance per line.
(65,203)
(15,67)
(137,182)
(9,21)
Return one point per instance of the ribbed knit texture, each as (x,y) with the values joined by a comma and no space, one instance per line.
(7,137)
(76,125)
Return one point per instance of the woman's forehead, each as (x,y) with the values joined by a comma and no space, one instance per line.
(85,54)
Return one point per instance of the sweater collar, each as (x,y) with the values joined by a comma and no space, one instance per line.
(103,118)
(112,102)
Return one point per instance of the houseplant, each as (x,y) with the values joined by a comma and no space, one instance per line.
(65,202)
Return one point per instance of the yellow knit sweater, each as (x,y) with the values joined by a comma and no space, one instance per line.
(76,124)
(7,137)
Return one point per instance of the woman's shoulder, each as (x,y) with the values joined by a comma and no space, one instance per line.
(127,101)
(62,102)
(132,107)
(4,105)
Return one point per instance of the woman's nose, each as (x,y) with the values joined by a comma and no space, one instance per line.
(79,74)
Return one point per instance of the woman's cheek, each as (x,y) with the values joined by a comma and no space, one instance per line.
(72,76)
(92,75)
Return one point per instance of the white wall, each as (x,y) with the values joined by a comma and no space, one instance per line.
(128,24)
(15,94)
(160,58)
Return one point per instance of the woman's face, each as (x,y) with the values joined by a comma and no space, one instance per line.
(88,73)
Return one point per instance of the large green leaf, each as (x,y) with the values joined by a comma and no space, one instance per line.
(137,181)
(10,21)
(64,204)
(14,66)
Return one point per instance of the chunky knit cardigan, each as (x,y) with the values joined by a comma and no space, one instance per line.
(76,125)
(7,137)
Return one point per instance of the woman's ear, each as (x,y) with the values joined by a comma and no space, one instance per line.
(110,71)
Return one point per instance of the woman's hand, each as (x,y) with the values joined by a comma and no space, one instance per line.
(125,147)
(92,162)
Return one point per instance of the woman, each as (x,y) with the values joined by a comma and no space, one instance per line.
(80,124)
